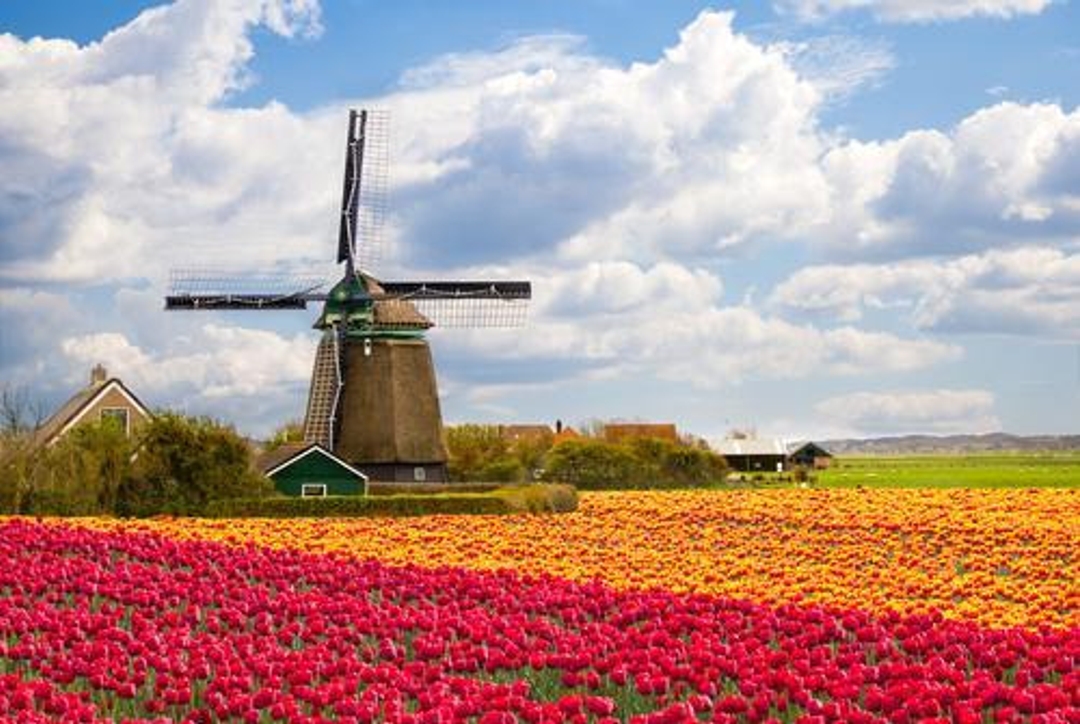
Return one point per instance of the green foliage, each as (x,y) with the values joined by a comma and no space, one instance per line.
(540,498)
(380,487)
(79,475)
(593,464)
(476,451)
(290,432)
(481,453)
(502,501)
(183,464)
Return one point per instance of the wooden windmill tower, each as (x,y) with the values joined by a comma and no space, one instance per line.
(373,398)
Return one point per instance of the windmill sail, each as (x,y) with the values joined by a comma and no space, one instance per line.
(363,197)
(465,303)
(208,289)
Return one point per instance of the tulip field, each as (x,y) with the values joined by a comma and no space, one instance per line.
(728,606)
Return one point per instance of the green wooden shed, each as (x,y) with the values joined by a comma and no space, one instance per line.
(310,470)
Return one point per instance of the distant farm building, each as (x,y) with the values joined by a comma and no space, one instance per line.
(748,455)
(809,455)
(624,432)
(105,398)
(311,471)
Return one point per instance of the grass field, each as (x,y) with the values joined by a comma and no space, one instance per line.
(1018,470)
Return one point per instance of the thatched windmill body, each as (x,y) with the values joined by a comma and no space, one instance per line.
(373,397)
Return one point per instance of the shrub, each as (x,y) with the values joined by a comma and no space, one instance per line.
(639,463)
(183,464)
(389,488)
(79,475)
(550,498)
(592,464)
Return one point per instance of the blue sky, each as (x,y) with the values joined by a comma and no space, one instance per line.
(813,218)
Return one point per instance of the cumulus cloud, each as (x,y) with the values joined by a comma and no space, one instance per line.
(939,411)
(616,319)
(1001,177)
(117,153)
(1027,291)
(549,147)
(914,11)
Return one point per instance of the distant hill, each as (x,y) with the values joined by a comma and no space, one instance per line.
(952,444)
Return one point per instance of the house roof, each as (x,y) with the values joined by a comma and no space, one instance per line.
(292,453)
(273,458)
(616,432)
(752,446)
(72,411)
(813,447)
(525,432)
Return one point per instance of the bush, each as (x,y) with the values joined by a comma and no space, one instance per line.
(481,453)
(183,464)
(79,475)
(503,501)
(550,498)
(390,488)
(640,463)
(594,465)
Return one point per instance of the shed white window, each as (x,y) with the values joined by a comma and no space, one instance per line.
(313,490)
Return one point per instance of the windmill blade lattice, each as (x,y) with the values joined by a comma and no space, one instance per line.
(464,304)
(364,196)
(207,289)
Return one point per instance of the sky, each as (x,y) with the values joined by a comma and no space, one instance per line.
(806,218)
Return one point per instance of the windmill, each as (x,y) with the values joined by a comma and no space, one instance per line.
(373,398)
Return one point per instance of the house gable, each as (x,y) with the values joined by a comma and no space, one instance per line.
(88,406)
(314,465)
(113,395)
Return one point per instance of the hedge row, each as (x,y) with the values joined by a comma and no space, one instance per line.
(384,488)
(502,501)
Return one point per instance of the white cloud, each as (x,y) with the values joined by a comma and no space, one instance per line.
(933,411)
(615,320)
(712,144)
(117,153)
(1025,291)
(1003,176)
(914,11)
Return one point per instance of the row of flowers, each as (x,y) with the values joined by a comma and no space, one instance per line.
(1000,557)
(98,625)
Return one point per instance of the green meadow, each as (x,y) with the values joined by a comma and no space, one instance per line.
(991,470)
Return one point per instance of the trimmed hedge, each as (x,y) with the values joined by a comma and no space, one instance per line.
(502,501)
(384,488)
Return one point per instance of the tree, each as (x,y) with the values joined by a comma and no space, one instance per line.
(479,452)
(19,412)
(588,463)
(184,463)
(78,475)
(292,431)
